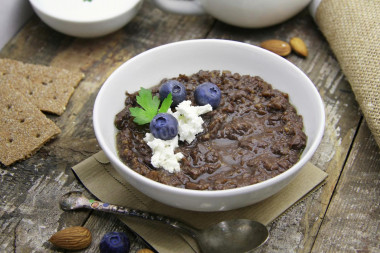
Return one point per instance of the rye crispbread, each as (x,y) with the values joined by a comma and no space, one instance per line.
(49,88)
(24,128)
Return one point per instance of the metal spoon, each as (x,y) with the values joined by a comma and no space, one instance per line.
(239,235)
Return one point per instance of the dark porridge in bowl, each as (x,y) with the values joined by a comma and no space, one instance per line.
(253,135)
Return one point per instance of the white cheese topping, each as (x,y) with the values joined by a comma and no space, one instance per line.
(163,153)
(189,125)
(189,121)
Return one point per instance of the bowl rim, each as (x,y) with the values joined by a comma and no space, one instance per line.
(114,159)
(48,12)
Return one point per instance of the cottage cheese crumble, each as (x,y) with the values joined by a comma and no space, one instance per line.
(189,125)
(189,121)
(163,153)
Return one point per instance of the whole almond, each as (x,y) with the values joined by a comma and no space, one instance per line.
(277,46)
(72,238)
(299,46)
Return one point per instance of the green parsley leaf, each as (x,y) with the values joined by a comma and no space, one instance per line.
(146,101)
(166,104)
(141,116)
(149,106)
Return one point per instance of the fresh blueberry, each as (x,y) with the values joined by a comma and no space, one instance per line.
(164,126)
(114,242)
(176,88)
(207,93)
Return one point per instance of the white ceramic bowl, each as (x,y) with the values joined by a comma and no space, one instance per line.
(243,13)
(86,19)
(188,57)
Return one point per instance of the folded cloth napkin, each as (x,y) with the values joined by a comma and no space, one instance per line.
(102,180)
(352,28)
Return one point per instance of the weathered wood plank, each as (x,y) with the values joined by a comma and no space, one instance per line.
(352,220)
(29,212)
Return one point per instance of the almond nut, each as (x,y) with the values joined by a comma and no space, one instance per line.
(72,238)
(277,46)
(299,46)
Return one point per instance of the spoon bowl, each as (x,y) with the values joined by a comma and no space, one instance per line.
(239,235)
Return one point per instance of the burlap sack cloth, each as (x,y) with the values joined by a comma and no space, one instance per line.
(352,28)
(103,181)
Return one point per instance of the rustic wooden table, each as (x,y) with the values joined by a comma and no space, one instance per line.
(342,216)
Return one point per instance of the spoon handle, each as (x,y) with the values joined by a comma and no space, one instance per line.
(110,208)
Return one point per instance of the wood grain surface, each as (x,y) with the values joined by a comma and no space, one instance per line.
(341,216)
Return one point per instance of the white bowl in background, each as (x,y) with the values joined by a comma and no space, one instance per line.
(187,57)
(242,13)
(86,18)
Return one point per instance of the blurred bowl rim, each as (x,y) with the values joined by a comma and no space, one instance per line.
(52,14)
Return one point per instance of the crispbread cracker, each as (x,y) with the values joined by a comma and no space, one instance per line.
(49,88)
(24,128)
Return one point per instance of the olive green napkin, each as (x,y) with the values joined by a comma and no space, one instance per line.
(102,180)
(352,28)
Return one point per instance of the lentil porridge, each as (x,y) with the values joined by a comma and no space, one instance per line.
(253,135)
